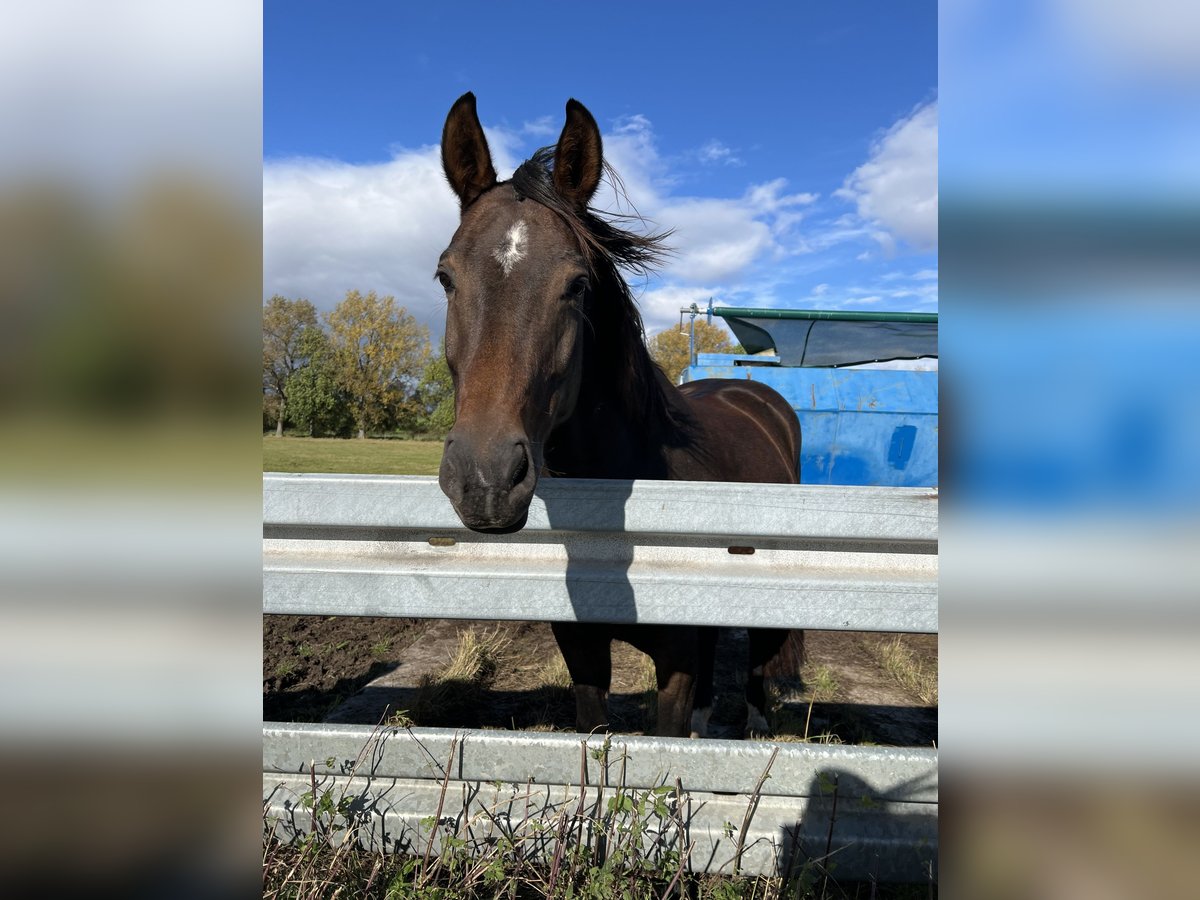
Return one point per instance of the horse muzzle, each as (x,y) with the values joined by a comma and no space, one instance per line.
(490,482)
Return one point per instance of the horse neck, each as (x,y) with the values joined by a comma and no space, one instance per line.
(624,416)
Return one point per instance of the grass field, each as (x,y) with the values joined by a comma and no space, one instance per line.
(351,456)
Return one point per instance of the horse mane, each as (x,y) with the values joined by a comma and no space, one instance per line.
(616,321)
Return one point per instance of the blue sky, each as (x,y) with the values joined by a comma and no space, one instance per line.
(792,147)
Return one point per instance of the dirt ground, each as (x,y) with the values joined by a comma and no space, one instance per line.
(356,670)
(312,664)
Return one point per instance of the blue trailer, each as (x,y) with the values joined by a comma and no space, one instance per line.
(864,385)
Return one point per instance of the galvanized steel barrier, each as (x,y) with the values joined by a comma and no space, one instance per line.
(818,557)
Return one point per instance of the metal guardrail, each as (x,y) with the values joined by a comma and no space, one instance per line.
(830,558)
(882,803)
(654,552)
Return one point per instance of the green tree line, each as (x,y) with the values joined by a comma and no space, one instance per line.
(368,367)
(365,367)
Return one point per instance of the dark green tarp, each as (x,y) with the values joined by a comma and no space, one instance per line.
(822,338)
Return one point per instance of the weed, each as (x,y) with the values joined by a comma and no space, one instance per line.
(792,725)
(907,668)
(823,684)
(284,668)
(399,719)
(613,841)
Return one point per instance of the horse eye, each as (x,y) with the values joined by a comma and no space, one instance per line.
(577,289)
(447,283)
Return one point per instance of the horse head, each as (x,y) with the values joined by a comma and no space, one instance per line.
(517,279)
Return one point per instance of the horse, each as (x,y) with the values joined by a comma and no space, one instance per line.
(552,377)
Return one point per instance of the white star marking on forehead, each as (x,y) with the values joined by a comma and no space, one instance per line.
(513,249)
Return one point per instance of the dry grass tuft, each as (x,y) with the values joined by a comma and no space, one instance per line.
(554,674)
(913,674)
(477,655)
(452,694)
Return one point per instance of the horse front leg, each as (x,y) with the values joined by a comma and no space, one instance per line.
(587,651)
(676,690)
(774,652)
(703,699)
(676,661)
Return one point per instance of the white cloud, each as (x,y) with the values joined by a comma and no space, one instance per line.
(660,307)
(332,226)
(767,198)
(542,127)
(714,239)
(631,150)
(715,153)
(896,189)
(920,275)
(719,239)
(898,290)
(329,226)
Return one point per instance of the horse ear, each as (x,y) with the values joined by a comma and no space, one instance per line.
(466,159)
(579,157)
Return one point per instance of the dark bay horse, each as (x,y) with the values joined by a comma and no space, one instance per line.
(552,377)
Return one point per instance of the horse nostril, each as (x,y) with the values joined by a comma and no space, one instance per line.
(521,469)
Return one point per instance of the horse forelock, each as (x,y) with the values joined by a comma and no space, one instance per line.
(598,234)
(615,317)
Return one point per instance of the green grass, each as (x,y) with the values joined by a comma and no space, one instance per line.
(351,456)
(285,668)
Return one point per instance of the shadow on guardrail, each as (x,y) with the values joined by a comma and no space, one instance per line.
(846,831)
(599,588)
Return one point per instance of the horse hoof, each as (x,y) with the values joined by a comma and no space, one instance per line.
(756,723)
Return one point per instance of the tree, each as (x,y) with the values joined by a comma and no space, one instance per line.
(436,395)
(284,322)
(315,400)
(669,348)
(378,352)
